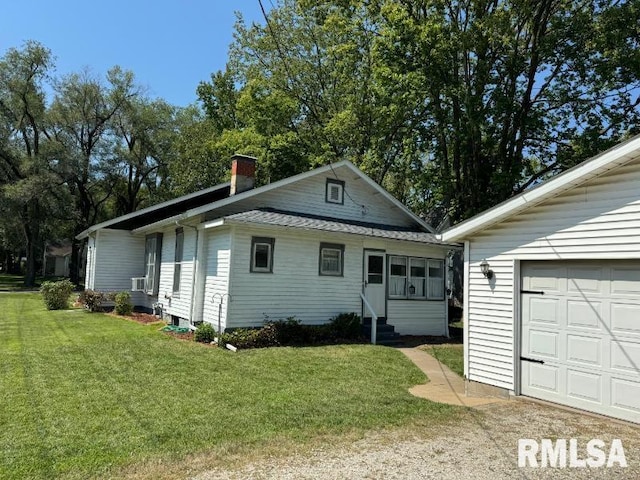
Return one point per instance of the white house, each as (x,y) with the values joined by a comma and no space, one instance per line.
(556,315)
(307,246)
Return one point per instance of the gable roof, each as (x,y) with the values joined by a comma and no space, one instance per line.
(280,218)
(162,210)
(616,156)
(227,200)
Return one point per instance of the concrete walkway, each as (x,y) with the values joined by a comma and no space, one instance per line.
(444,385)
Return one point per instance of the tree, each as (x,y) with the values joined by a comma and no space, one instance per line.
(453,105)
(31,193)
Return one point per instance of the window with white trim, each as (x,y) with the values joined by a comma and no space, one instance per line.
(334,191)
(152,250)
(177,266)
(415,278)
(262,254)
(331,259)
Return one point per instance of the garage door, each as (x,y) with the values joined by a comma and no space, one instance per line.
(581,335)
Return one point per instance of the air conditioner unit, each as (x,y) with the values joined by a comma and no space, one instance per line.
(139,284)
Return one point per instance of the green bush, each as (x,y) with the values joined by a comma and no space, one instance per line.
(92,300)
(205,333)
(123,303)
(346,326)
(56,294)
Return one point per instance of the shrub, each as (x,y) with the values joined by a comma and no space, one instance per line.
(346,326)
(56,294)
(205,333)
(93,299)
(123,303)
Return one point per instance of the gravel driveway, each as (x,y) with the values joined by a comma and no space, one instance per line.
(483,446)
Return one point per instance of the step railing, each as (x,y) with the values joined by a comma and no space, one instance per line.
(374,318)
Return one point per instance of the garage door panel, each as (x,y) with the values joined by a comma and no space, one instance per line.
(625,356)
(584,280)
(584,385)
(543,343)
(581,313)
(585,350)
(544,310)
(545,279)
(625,394)
(625,281)
(625,318)
(580,341)
(544,377)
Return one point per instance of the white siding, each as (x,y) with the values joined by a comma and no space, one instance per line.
(598,220)
(117,257)
(308,196)
(416,317)
(178,304)
(296,289)
(218,252)
(91,262)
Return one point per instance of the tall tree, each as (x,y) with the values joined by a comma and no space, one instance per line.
(30,190)
(454,105)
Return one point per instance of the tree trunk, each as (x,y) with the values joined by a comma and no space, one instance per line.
(74,262)
(30,273)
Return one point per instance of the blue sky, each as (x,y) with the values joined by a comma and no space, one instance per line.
(170,45)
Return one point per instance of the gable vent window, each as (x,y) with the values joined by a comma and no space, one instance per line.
(334,191)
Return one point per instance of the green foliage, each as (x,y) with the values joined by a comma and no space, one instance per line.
(344,328)
(92,300)
(123,304)
(56,294)
(205,333)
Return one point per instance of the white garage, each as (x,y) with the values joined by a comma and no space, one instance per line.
(552,289)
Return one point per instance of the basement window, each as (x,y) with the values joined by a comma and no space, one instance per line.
(334,191)
(262,254)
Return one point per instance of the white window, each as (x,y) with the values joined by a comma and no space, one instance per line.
(262,254)
(153,247)
(177,267)
(397,277)
(415,278)
(335,191)
(331,259)
(436,280)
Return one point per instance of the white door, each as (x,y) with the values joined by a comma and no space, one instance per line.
(581,335)
(374,282)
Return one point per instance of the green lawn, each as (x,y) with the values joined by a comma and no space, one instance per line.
(13,283)
(88,394)
(450,354)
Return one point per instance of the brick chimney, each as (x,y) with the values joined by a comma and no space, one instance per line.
(243,173)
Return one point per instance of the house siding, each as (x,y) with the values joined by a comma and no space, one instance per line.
(296,289)
(178,304)
(218,253)
(117,257)
(91,263)
(597,220)
(308,196)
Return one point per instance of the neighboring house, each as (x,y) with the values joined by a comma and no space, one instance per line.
(557,316)
(56,259)
(307,246)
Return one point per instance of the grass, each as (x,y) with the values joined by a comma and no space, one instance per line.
(90,395)
(451,354)
(15,283)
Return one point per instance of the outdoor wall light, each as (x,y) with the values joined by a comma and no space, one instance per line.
(486,271)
